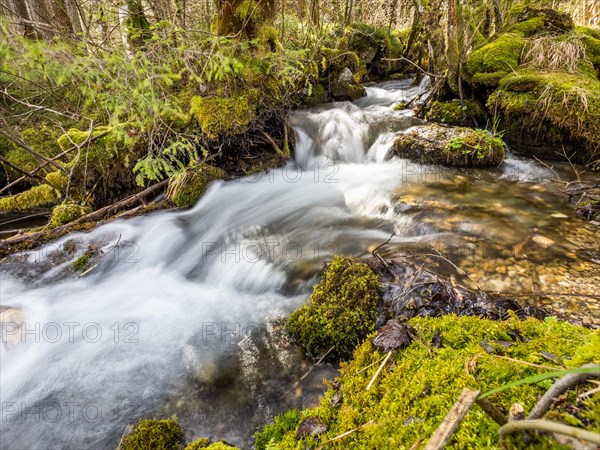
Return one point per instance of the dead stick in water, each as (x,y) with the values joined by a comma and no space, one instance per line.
(453,419)
(379,370)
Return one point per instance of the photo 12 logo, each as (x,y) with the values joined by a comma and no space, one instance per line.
(54,332)
(69,412)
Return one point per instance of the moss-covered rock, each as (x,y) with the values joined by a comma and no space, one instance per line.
(487,65)
(340,312)
(184,190)
(454,113)
(455,146)
(415,391)
(532,20)
(540,80)
(197,444)
(67,212)
(154,434)
(344,91)
(220,117)
(547,114)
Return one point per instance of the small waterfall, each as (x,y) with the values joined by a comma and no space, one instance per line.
(163,324)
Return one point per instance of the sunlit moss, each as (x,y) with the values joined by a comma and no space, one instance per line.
(224,116)
(341,310)
(282,424)
(498,57)
(414,392)
(153,434)
(67,212)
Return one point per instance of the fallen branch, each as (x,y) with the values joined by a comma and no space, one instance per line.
(492,411)
(549,427)
(453,419)
(559,387)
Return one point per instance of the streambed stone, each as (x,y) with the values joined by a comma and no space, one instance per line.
(453,146)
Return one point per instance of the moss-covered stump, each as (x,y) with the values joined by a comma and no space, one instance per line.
(454,146)
(419,385)
(67,212)
(153,434)
(540,78)
(454,112)
(185,189)
(341,311)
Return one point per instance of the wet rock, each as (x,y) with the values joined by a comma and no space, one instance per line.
(454,146)
(310,427)
(345,76)
(11,320)
(347,91)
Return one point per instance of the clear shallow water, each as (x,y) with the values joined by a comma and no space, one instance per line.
(180,313)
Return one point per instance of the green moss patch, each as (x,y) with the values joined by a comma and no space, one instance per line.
(41,195)
(454,113)
(224,116)
(419,385)
(341,310)
(185,189)
(67,212)
(498,57)
(153,434)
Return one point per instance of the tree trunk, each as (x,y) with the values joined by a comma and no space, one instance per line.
(498,17)
(59,17)
(243,19)
(452,47)
(134,25)
(21,12)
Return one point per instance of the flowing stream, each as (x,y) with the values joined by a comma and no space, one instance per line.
(181,312)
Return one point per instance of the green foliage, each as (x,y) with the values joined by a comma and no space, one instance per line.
(341,310)
(154,434)
(274,432)
(82,262)
(414,393)
(479,147)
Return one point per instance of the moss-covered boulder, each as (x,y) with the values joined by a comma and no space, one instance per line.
(340,312)
(221,117)
(454,112)
(540,80)
(550,115)
(417,387)
(186,188)
(154,434)
(454,146)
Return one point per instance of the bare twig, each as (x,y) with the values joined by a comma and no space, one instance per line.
(549,427)
(343,435)
(561,385)
(453,419)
